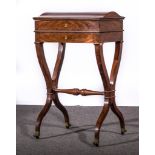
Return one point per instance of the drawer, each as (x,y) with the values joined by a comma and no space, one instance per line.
(65,37)
(79,37)
(67,26)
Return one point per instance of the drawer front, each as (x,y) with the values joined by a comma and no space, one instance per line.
(67,26)
(65,37)
(79,37)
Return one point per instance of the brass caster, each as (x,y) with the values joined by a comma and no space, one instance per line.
(96,142)
(123,130)
(67,125)
(36,134)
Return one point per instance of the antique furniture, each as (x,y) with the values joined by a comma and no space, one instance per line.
(96,28)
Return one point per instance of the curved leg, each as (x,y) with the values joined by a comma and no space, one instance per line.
(116,63)
(109,87)
(55,77)
(120,117)
(48,80)
(102,67)
(62,109)
(41,115)
(99,122)
(106,84)
(113,76)
(43,64)
(51,83)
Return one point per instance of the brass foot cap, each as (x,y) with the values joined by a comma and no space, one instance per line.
(123,130)
(36,134)
(96,142)
(67,125)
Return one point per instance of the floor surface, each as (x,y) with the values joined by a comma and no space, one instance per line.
(55,139)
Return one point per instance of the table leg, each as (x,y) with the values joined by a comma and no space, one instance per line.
(109,87)
(117,112)
(41,116)
(48,80)
(51,83)
(106,85)
(113,76)
(99,122)
(55,78)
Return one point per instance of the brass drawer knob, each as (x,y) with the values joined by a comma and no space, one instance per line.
(65,37)
(66,25)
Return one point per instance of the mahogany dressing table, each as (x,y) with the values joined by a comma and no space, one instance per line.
(87,27)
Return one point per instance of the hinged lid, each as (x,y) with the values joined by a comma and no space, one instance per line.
(79,15)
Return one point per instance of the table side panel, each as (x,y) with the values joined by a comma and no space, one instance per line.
(111,25)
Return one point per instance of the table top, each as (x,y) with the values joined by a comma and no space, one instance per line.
(79,27)
(79,15)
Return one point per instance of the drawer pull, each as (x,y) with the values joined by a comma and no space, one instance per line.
(65,37)
(66,25)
